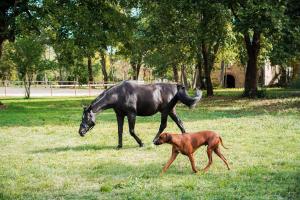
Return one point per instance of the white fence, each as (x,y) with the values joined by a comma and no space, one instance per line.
(52,88)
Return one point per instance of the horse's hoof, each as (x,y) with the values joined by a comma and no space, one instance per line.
(142,145)
(119,147)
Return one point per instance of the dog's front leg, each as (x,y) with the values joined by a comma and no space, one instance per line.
(173,157)
(192,160)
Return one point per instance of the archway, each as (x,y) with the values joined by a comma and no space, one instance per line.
(230,81)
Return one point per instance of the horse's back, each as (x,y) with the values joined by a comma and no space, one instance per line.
(147,99)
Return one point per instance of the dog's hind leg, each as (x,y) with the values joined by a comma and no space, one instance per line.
(218,152)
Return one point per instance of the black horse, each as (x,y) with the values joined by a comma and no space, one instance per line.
(131,99)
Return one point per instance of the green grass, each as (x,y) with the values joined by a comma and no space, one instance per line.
(43,157)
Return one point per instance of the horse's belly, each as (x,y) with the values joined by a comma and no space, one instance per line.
(146,109)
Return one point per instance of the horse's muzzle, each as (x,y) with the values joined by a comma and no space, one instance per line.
(156,142)
(81,133)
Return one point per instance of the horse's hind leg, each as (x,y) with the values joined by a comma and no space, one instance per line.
(131,124)
(176,119)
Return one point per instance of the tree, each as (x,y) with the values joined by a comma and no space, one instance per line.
(286,50)
(93,26)
(6,64)
(254,19)
(197,29)
(9,11)
(27,56)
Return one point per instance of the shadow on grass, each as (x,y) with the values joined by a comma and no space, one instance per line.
(80,148)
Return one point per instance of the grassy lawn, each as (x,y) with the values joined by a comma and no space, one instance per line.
(43,157)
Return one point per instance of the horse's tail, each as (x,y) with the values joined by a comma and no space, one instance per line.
(186,99)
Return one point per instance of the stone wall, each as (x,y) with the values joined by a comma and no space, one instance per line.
(235,70)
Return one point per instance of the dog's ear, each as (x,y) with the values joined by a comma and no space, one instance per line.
(169,137)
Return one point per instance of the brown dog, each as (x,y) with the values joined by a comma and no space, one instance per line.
(187,144)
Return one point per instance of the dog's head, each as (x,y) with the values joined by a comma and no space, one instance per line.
(163,138)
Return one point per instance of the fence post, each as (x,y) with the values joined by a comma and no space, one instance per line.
(75,87)
(51,89)
(5,85)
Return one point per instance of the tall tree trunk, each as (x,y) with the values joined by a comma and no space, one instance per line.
(199,74)
(207,70)
(90,69)
(195,74)
(222,75)
(296,70)
(136,67)
(103,68)
(1,47)
(283,77)
(175,73)
(184,77)
(134,70)
(27,84)
(253,48)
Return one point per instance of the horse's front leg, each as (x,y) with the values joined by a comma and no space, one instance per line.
(176,119)
(163,124)
(131,123)
(120,119)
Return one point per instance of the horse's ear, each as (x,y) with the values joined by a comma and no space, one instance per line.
(88,108)
(179,87)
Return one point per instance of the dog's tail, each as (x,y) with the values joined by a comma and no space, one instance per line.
(222,143)
(186,99)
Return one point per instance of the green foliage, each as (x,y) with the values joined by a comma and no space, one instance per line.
(287,47)
(7,67)
(27,57)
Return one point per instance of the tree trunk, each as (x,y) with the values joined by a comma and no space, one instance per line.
(296,70)
(90,69)
(1,47)
(175,73)
(199,74)
(134,70)
(207,69)
(283,77)
(222,74)
(136,66)
(253,48)
(184,77)
(27,84)
(103,68)
(195,74)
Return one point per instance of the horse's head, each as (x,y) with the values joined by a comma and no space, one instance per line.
(87,122)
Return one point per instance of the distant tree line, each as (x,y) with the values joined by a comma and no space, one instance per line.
(180,40)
